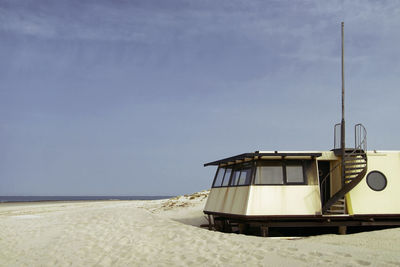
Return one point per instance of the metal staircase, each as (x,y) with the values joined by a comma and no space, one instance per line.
(354,168)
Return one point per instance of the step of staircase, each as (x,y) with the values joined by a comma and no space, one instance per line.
(354,163)
(354,169)
(352,175)
(338,208)
(354,157)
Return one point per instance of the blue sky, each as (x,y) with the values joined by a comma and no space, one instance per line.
(132,97)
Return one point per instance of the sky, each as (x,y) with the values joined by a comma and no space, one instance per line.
(133,97)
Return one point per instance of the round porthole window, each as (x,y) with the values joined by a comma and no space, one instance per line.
(376,181)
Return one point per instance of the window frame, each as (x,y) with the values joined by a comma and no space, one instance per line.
(251,176)
(230,176)
(259,164)
(234,172)
(302,163)
(216,175)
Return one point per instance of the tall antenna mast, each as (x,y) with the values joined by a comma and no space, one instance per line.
(343,126)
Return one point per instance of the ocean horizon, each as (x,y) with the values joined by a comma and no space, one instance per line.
(6,199)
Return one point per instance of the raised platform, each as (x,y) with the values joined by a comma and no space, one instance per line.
(223,221)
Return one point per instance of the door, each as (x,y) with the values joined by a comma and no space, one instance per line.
(324,180)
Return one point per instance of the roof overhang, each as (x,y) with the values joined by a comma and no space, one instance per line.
(262,155)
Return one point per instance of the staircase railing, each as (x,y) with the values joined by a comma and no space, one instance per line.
(360,135)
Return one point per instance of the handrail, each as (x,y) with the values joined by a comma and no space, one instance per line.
(360,135)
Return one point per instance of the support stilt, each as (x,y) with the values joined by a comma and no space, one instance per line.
(242,228)
(342,230)
(264,231)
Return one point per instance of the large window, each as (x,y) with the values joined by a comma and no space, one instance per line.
(280,172)
(294,172)
(269,173)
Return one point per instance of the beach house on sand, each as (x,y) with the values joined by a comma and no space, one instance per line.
(305,189)
(346,186)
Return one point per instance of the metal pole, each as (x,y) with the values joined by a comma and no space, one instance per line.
(343,125)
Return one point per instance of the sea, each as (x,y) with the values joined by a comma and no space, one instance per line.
(5,199)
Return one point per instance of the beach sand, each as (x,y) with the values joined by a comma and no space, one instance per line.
(166,233)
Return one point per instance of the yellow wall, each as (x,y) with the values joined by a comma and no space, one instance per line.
(284,200)
(265,200)
(231,200)
(364,200)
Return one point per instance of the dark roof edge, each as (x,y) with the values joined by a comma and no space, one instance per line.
(257,154)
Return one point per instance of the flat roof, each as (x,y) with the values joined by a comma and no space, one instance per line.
(258,155)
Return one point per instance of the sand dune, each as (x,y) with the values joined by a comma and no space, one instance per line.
(164,233)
